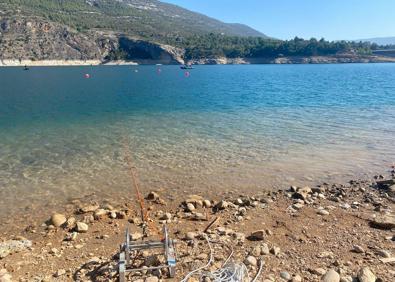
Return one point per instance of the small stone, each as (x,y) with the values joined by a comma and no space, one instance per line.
(383,253)
(89,208)
(275,250)
(190,236)
(71,236)
(250,260)
(358,249)
(346,279)
(297,278)
(265,249)
(136,236)
(258,235)
(58,219)
(190,207)
(207,204)
(82,227)
(222,205)
(285,275)
(323,212)
(70,223)
(60,272)
(319,271)
(331,276)
(152,196)
(366,275)
(100,214)
(256,251)
(166,216)
(298,206)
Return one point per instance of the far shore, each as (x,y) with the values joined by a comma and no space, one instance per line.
(205,61)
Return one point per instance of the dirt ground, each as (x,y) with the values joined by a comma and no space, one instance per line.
(304,233)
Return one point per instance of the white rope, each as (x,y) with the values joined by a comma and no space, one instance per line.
(211,260)
(229,272)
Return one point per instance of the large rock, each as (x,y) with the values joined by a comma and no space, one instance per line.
(386,222)
(366,275)
(58,219)
(331,276)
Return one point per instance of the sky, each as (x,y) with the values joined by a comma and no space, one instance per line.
(285,19)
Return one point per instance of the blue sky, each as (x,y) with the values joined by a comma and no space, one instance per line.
(284,19)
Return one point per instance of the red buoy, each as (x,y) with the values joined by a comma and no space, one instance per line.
(87,75)
(187,74)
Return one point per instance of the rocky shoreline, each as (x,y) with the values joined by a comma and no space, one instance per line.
(330,232)
(210,61)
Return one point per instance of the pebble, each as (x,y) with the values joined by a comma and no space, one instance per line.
(384,253)
(346,279)
(323,212)
(250,260)
(366,275)
(331,276)
(190,207)
(190,235)
(265,249)
(296,278)
(60,272)
(275,250)
(358,249)
(207,204)
(136,236)
(285,275)
(258,235)
(58,219)
(319,271)
(82,227)
(152,196)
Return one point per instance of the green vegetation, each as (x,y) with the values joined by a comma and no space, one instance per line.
(154,21)
(147,19)
(215,45)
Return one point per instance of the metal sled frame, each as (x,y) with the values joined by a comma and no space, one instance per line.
(167,244)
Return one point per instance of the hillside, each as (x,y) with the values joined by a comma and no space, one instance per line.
(146,31)
(148,19)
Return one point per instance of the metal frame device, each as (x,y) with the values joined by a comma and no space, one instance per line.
(127,248)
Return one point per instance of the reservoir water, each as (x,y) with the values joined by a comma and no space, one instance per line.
(222,127)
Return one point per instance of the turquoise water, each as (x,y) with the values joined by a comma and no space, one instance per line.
(223,127)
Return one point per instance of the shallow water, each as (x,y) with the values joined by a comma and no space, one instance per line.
(224,127)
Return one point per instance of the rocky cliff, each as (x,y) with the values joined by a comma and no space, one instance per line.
(35,39)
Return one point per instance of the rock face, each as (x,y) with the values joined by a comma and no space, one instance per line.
(38,40)
(32,38)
